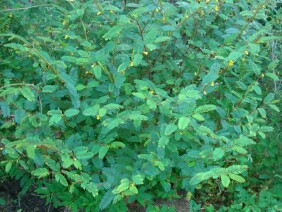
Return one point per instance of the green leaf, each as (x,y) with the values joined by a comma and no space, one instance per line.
(262,112)
(139,95)
(80,12)
(273,64)
(225,180)
(193,94)
(257,89)
(160,165)
(55,119)
(49,88)
(117,144)
(161,39)
(243,141)
(210,77)
(205,108)
(171,128)
(199,117)
(218,153)
(71,112)
(183,122)
(132,190)
(5,108)
(268,98)
(97,71)
(151,103)
(28,94)
(163,141)
(124,185)
(137,179)
(106,200)
(113,32)
(2,202)
(240,150)
(30,149)
(236,178)
(19,115)
(92,111)
(77,164)
(274,107)
(41,172)
(272,76)
(234,56)
(198,178)
(103,151)
(266,129)
(60,178)
(46,56)
(102,112)
(236,169)
(137,59)
(8,166)
(84,155)
(151,47)
(92,188)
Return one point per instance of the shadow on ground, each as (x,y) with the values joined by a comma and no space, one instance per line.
(30,202)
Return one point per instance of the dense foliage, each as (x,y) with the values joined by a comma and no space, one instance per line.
(107,103)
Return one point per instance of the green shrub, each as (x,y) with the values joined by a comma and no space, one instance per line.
(104,104)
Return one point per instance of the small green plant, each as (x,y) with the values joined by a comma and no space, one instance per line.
(103,102)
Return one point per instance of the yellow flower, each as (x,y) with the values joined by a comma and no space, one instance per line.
(205,93)
(11,15)
(111,11)
(145,53)
(187,16)
(202,12)
(246,52)
(243,59)
(156,10)
(93,65)
(131,63)
(66,36)
(64,22)
(152,92)
(99,13)
(230,63)
(262,75)
(208,1)
(212,83)
(216,8)
(98,117)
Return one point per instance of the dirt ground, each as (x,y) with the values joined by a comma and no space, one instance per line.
(9,192)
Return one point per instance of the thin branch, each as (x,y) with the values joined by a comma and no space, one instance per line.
(17,84)
(26,8)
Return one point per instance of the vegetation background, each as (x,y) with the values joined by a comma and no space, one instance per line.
(110,104)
